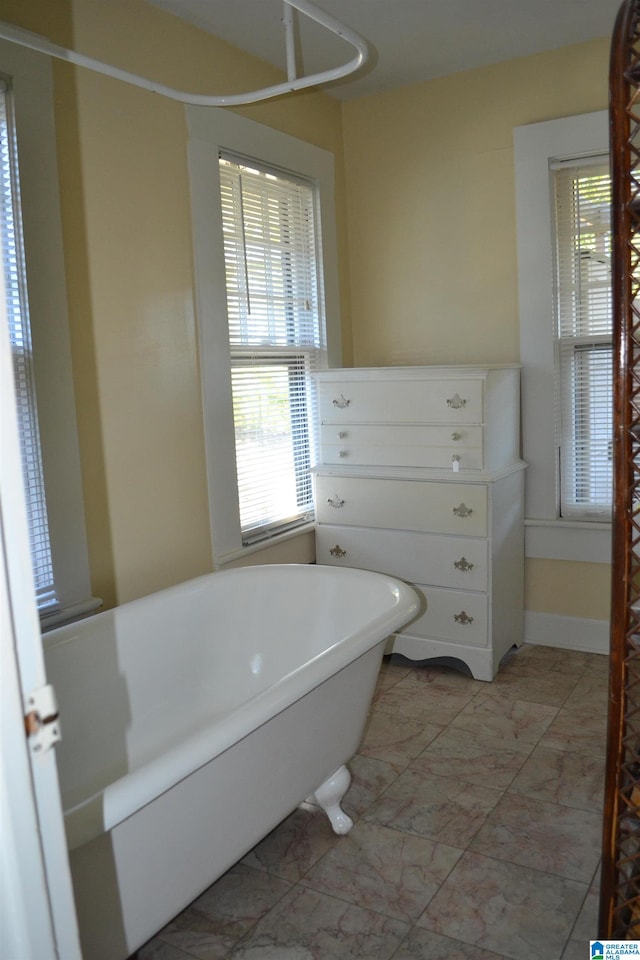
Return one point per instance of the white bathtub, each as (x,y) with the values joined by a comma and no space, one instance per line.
(194,720)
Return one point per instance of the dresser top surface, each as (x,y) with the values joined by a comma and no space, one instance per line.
(435,371)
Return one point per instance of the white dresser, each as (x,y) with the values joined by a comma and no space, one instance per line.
(421,477)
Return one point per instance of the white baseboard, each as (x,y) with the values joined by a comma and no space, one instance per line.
(569,633)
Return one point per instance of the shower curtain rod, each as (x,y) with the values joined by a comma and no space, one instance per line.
(37,42)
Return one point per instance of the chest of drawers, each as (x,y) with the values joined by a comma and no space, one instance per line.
(420,477)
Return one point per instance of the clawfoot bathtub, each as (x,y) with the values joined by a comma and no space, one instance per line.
(196,719)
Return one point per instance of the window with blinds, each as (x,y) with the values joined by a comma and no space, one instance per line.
(583,330)
(17,308)
(276,338)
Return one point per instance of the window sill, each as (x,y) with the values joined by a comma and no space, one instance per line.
(568,540)
(276,541)
(77,611)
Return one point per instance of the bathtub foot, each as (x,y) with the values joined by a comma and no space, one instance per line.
(328,796)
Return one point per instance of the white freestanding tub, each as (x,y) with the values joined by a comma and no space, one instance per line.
(195,719)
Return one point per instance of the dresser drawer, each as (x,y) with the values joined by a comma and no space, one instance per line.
(451,615)
(411,401)
(423,557)
(427,506)
(406,445)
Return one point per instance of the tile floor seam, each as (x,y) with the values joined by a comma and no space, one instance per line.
(578,915)
(307,882)
(181,950)
(389,711)
(380,780)
(439,776)
(488,949)
(543,873)
(461,778)
(511,956)
(533,742)
(455,776)
(454,940)
(563,753)
(250,930)
(539,702)
(290,885)
(389,916)
(378,796)
(330,896)
(351,903)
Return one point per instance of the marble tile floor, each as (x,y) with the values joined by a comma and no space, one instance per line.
(477,833)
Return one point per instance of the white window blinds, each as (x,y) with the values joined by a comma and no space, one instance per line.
(20,339)
(276,338)
(582,190)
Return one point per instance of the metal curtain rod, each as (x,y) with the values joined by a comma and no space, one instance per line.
(37,42)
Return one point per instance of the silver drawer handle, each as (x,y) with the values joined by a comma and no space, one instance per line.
(342,435)
(463,511)
(463,564)
(456,436)
(341,402)
(337,551)
(463,618)
(335,501)
(456,402)
(343,453)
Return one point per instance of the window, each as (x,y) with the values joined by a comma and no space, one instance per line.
(17,307)
(563,443)
(268,305)
(583,322)
(34,271)
(275,338)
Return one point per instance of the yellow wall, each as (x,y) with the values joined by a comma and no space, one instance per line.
(431,204)
(127,235)
(432,232)
(568,589)
(424,182)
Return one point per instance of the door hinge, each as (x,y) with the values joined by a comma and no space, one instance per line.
(41,720)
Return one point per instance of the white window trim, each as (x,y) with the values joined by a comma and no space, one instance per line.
(210,131)
(42,229)
(546,535)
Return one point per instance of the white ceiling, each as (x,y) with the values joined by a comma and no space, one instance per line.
(409,40)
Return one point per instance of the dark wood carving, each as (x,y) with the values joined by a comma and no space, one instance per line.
(620,879)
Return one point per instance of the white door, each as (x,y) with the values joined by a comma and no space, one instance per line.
(37,912)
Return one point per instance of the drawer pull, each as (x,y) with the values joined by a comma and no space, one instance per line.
(341,402)
(456,436)
(335,501)
(342,435)
(463,618)
(463,564)
(343,453)
(463,511)
(337,551)
(456,402)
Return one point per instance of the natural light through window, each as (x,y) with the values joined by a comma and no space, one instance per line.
(275,337)
(582,192)
(17,307)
